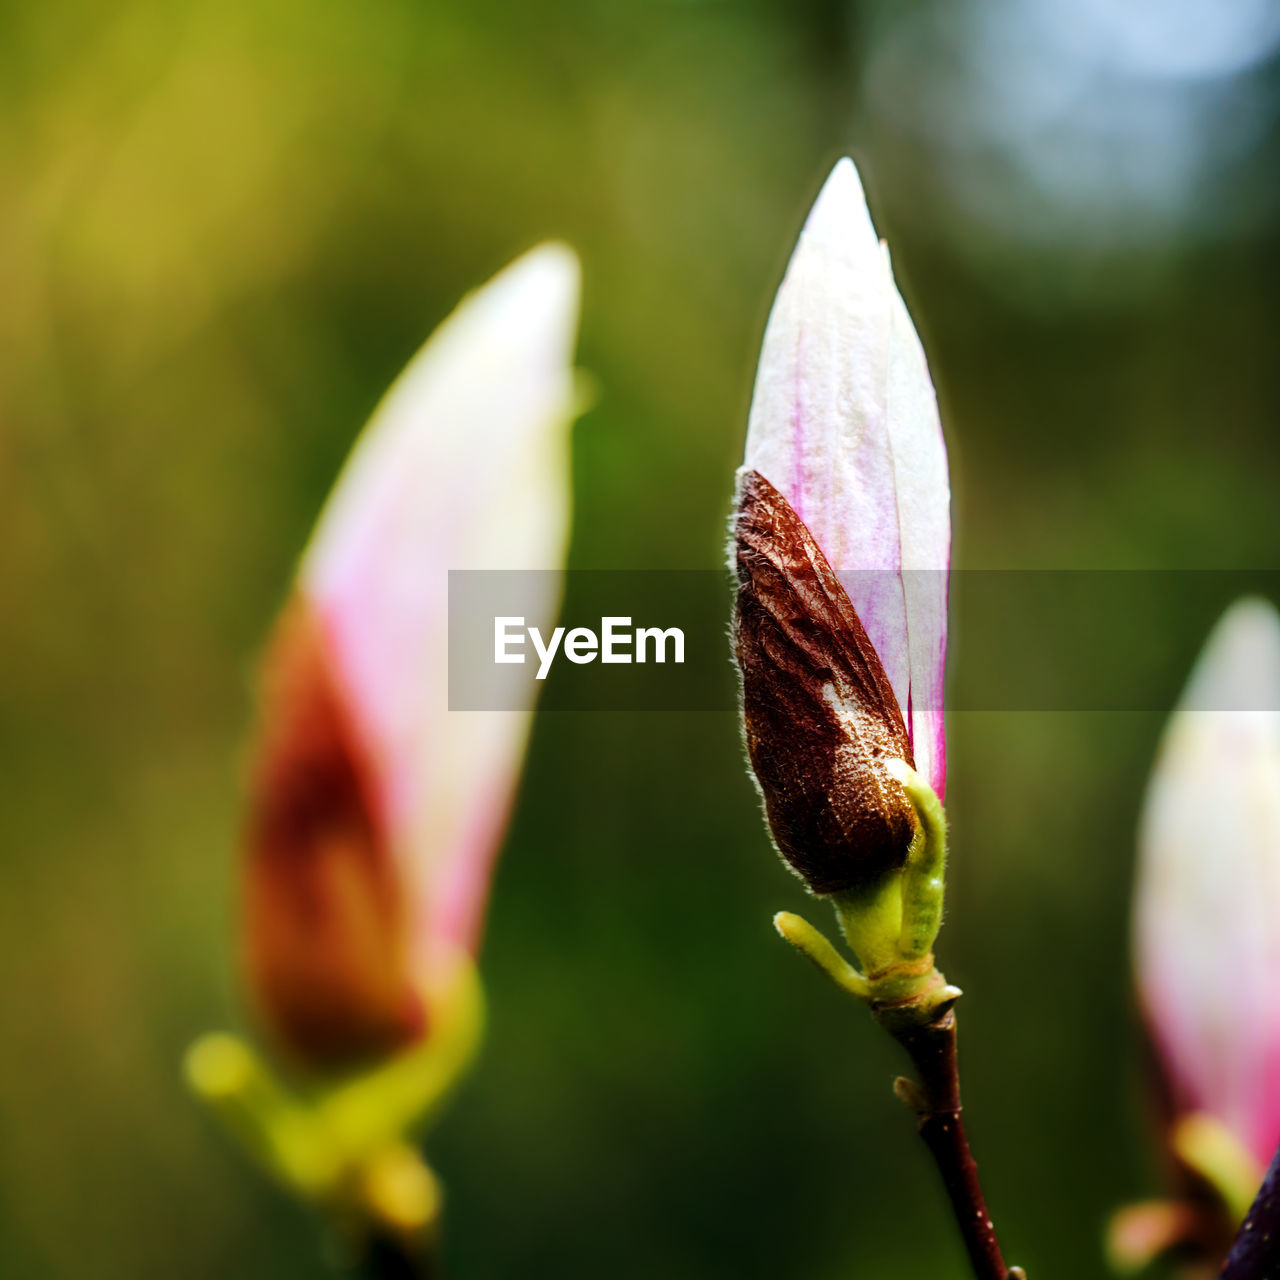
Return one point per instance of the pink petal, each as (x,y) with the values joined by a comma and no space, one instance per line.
(1208,891)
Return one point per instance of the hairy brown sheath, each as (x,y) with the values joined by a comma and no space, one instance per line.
(325,926)
(820,714)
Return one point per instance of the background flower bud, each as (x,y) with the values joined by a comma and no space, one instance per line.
(1208,888)
(376,811)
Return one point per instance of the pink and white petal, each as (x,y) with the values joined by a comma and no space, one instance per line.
(1208,892)
(923,488)
(844,423)
(464,465)
(817,429)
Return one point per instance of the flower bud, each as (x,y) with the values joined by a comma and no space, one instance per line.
(375,811)
(843,540)
(1207,947)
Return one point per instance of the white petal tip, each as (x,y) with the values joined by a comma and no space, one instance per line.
(840,211)
(1239,667)
(553,264)
(1251,617)
(843,181)
(541,285)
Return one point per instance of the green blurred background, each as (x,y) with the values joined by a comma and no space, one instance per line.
(224,226)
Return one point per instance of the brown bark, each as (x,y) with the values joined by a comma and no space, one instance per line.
(932,1049)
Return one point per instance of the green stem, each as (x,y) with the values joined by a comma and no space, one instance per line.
(891,925)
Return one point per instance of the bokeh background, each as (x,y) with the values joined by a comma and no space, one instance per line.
(225,225)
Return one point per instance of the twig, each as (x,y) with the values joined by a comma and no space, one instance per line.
(1256,1252)
(936,1101)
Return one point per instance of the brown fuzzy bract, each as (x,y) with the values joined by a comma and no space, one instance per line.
(820,714)
(324,906)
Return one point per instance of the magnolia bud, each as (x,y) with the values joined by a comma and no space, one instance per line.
(842,549)
(1206,951)
(376,811)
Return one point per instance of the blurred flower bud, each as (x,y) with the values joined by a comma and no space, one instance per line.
(375,812)
(843,540)
(1208,887)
